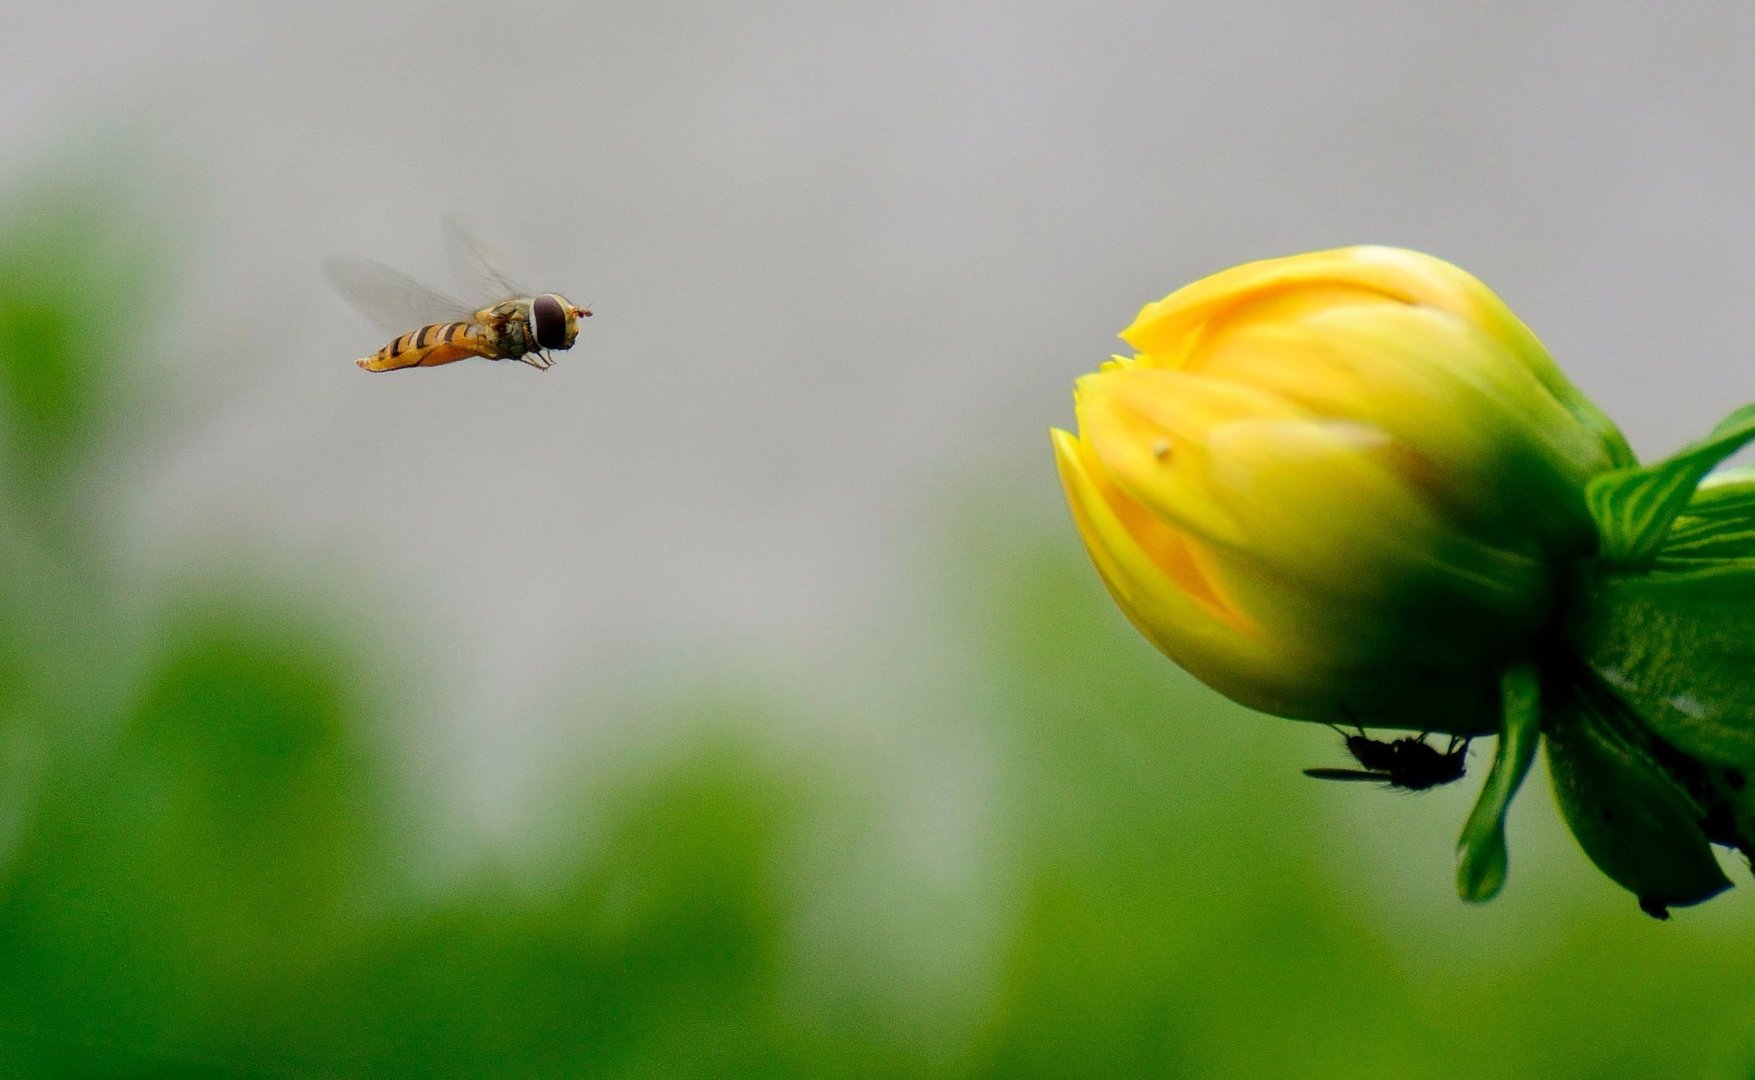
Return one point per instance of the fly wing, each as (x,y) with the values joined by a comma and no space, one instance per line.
(1345,774)
(389,297)
(478,265)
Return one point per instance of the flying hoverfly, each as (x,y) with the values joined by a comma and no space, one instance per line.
(520,325)
(1411,763)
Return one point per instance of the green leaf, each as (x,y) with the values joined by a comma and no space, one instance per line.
(1694,541)
(1637,824)
(1481,857)
(1635,507)
(1728,494)
(1718,523)
(1708,552)
(1677,647)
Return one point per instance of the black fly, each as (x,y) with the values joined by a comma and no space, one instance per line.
(1412,763)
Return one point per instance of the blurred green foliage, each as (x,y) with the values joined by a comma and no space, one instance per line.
(198,865)
(73,303)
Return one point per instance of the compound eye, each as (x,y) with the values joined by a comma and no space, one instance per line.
(550,318)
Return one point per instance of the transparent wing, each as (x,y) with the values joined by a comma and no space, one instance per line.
(389,297)
(1345,774)
(480,267)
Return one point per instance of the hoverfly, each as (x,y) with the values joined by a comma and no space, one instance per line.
(519,325)
(1412,763)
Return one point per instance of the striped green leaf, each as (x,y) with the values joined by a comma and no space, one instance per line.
(1728,493)
(1635,507)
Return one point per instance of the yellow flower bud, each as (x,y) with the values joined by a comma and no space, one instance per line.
(1340,486)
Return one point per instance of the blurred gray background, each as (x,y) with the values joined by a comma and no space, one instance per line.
(847,260)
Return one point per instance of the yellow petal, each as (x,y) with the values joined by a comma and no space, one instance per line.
(1169,329)
(1329,504)
(1134,550)
(1161,583)
(1150,430)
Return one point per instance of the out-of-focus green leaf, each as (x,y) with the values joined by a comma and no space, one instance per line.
(660,958)
(70,302)
(219,839)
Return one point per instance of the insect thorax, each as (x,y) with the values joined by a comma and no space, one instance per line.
(508,326)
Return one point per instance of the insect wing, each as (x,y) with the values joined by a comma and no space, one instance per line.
(477,264)
(1347,774)
(389,297)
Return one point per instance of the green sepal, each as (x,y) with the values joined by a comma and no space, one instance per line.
(1481,856)
(1718,522)
(1634,507)
(1693,541)
(1726,493)
(1637,824)
(1677,647)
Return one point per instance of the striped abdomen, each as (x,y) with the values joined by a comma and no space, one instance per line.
(430,346)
